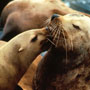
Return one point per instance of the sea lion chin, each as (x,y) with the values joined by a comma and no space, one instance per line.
(66,66)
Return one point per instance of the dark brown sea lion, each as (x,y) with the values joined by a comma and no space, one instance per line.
(66,66)
(17,54)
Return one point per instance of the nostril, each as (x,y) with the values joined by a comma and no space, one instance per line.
(54,16)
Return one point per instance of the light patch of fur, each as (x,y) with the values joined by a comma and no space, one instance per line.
(14,61)
(37,1)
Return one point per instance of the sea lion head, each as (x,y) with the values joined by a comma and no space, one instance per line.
(71,36)
(29,44)
(71,31)
(34,40)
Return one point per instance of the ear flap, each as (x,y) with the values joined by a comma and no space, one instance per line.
(20,49)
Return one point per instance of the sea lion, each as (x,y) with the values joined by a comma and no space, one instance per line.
(29,14)
(17,54)
(28,76)
(21,15)
(2,43)
(3,3)
(66,66)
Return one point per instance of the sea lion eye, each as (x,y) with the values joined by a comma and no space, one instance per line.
(77,27)
(34,39)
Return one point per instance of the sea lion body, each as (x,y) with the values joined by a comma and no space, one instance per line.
(21,15)
(66,66)
(2,43)
(17,54)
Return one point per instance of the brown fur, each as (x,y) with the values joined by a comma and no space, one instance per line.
(21,15)
(67,66)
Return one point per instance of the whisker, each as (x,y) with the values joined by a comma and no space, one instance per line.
(65,45)
(71,44)
(51,41)
(55,31)
(46,22)
(55,36)
(52,28)
(58,37)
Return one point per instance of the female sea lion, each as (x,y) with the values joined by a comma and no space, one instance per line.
(1,44)
(17,54)
(66,66)
(28,76)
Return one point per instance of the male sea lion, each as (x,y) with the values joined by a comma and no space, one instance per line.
(17,54)
(66,66)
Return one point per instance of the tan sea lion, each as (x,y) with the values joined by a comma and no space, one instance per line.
(3,3)
(29,14)
(17,54)
(21,15)
(26,80)
(66,66)
(2,43)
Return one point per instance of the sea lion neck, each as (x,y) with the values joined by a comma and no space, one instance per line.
(16,51)
(67,60)
(10,53)
(11,47)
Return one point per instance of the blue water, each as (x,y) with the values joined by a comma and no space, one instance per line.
(80,5)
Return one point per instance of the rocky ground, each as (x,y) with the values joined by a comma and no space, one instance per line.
(26,81)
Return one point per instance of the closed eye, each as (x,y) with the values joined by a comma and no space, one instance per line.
(76,27)
(34,39)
